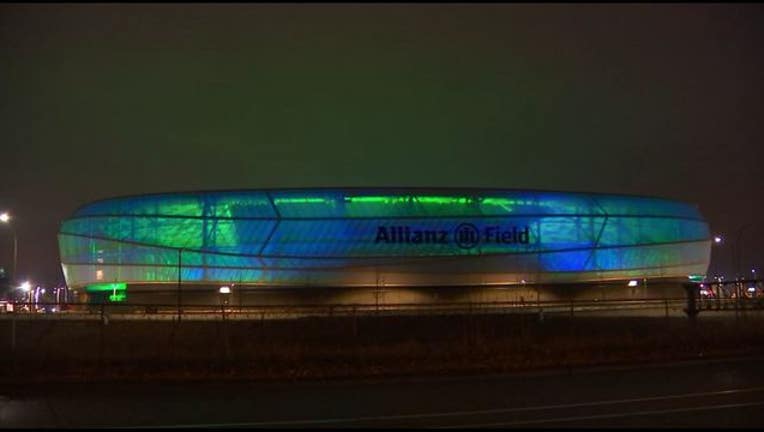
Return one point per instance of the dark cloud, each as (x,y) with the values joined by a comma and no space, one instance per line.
(103,100)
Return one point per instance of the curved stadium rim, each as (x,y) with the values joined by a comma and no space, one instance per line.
(398,189)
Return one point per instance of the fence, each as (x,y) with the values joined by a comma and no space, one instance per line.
(87,340)
(201,312)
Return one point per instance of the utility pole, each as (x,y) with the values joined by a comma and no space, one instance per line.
(6,218)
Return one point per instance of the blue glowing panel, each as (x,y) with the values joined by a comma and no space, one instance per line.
(347,237)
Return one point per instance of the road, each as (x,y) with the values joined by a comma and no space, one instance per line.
(706,393)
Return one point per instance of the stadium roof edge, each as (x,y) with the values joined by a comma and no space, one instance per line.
(378,188)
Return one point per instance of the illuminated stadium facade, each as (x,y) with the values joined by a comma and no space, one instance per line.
(370,238)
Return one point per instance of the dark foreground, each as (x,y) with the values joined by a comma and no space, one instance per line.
(46,351)
(699,393)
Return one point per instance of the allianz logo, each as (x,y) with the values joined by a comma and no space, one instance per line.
(464,235)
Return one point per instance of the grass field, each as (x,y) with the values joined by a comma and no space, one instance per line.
(341,347)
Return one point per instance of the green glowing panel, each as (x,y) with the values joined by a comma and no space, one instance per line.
(118,297)
(102,287)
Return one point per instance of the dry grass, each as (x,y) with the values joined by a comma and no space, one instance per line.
(351,347)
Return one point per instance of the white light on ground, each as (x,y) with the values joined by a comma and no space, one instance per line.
(751,289)
(717,239)
(225,290)
(5,217)
(633,283)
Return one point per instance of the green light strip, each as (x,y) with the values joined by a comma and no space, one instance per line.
(443,200)
(373,199)
(301,200)
(498,201)
(433,199)
(425,199)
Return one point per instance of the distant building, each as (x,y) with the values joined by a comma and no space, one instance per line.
(411,244)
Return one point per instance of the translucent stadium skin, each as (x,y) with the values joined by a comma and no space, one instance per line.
(354,237)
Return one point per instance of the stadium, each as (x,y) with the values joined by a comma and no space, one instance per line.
(351,245)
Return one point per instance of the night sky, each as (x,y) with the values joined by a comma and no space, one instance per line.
(106,100)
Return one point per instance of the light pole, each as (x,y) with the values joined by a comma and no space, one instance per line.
(736,258)
(27,287)
(180,261)
(753,280)
(737,250)
(6,219)
(718,241)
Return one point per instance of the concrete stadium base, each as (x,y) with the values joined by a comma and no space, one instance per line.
(195,294)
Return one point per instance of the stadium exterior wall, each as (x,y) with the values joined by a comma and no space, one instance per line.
(385,237)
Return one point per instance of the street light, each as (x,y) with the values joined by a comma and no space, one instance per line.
(27,287)
(718,239)
(225,292)
(5,218)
